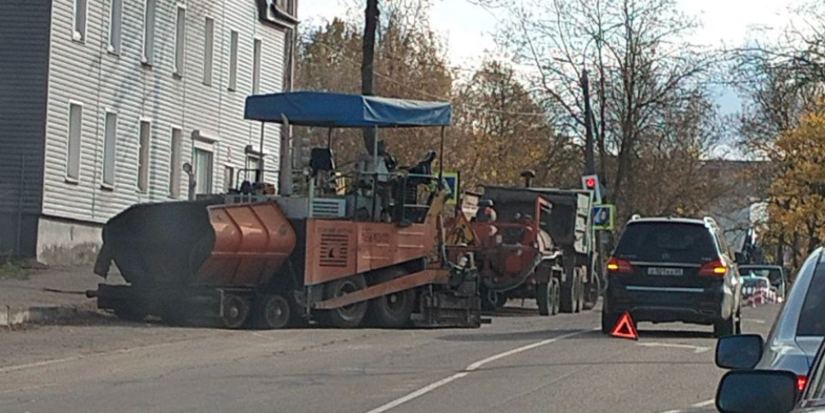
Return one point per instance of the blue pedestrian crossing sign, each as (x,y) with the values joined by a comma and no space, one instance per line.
(604,216)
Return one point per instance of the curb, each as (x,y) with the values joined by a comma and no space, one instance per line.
(16,316)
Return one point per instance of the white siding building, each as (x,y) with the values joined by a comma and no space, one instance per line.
(102,102)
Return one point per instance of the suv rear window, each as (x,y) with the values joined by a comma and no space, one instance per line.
(667,242)
(812,317)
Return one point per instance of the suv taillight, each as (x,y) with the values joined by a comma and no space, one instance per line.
(714,269)
(619,265)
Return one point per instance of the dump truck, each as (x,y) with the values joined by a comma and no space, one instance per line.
(539,245)
(353,248)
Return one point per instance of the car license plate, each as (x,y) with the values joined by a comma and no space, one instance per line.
(670,272)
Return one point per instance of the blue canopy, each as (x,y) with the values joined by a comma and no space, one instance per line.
(339,110)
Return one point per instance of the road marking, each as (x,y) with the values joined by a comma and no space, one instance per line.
(469,369)
(704,403)
(672,411)
(82,357)
(696,349)
(753,320)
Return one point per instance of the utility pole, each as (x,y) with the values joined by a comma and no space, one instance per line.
(589,157)
(367,70)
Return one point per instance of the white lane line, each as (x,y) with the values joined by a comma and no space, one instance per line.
(672,411)
(83,357)
(696,349)
(705,403)
(471,368)
(754,320)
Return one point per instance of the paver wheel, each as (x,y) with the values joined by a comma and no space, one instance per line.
(391,310)
(275,311)
(234,311)
(348,316)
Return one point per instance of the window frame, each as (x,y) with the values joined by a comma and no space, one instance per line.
(180,40)
(115,39)
(106,181)
(77,36)
(208,50)
(145,153)
(257,64)
(205,148)
(234,40)
(148,53)
(175,162)
(79,147)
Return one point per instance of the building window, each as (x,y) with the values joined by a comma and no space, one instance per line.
(203,171)
(256,67)
(73,152)
(143,156)
(253,168)
(233,60)
(228,178)
(149,33)
(180,42)
(109,145)
(174,164)
(115,26)
(81,14)
(208,48)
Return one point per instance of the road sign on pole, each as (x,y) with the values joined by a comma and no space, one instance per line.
(604,217)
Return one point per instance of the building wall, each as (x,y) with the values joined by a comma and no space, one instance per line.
(24,53)
(86,72)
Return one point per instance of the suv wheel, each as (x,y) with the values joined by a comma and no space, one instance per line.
(725,327)
(609,321)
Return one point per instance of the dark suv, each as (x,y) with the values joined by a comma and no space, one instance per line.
(673,269)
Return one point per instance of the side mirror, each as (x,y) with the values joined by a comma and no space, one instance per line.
(757,391)
(739,352)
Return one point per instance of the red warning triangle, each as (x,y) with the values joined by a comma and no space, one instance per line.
(625,328)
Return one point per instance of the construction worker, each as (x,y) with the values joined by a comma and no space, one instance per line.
(485,212)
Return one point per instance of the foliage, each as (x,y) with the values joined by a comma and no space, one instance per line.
(499,128)
(798,191)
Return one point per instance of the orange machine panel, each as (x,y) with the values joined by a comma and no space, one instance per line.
(337,249)
(251,242)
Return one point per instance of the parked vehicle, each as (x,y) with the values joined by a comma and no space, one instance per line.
(369,253)
(757,290)
(796,335)
(775,273)
(538,245)
(773,391)
(673,270)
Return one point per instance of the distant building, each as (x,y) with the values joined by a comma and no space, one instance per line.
(734,210)
(102,102)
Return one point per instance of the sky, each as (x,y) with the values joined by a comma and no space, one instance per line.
(468,29)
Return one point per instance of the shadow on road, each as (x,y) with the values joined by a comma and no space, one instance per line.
(648,334)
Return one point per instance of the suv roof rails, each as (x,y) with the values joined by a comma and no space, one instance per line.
(710,222)
(635,217)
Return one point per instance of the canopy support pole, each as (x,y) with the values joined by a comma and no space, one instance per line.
(375,174)
(259,174)
(285,168)
(441,156)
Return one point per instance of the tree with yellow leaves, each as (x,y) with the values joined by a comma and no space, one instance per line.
(797,194)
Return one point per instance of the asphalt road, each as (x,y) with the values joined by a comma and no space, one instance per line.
(519,363)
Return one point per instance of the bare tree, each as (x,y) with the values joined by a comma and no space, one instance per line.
(645,70)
